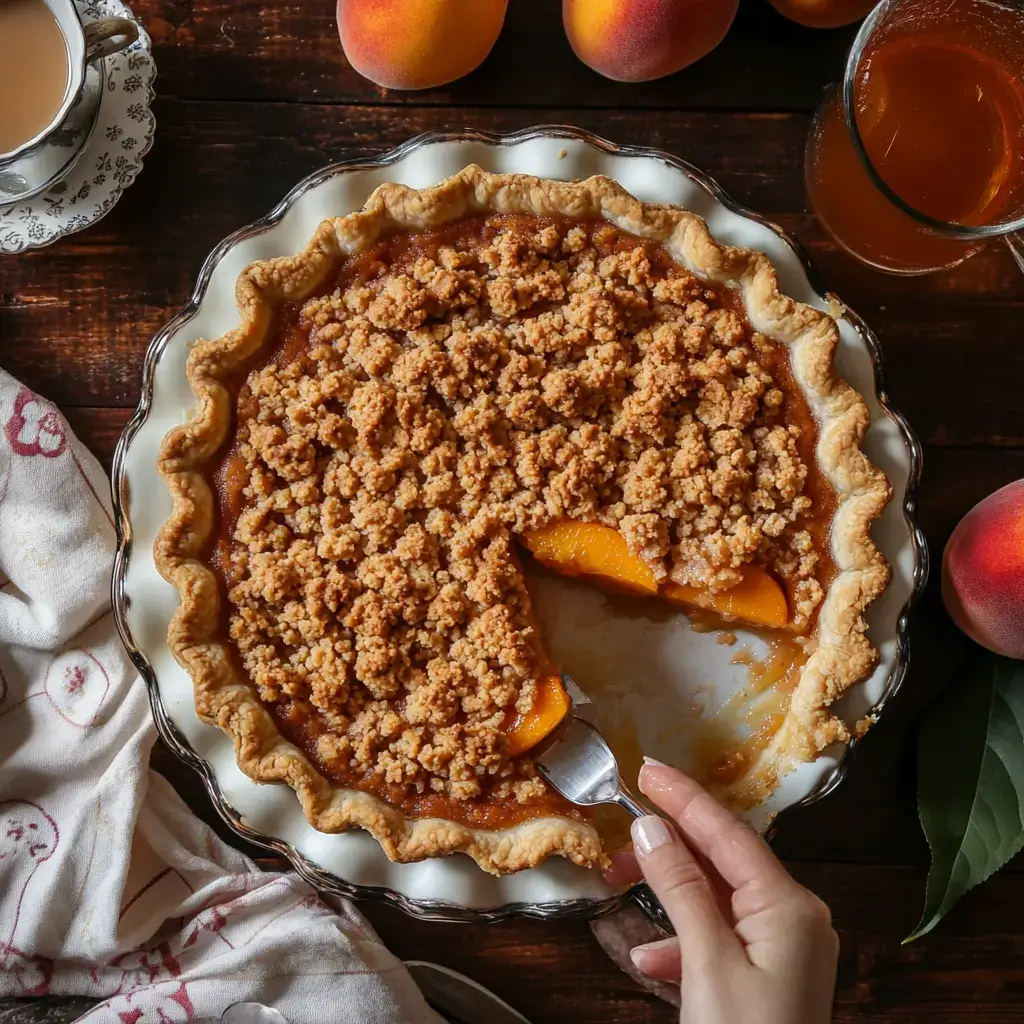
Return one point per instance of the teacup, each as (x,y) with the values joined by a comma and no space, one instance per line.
(37,149)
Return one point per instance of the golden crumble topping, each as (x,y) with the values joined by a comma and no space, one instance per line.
(456,389)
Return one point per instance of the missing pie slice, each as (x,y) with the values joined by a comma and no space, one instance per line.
(454,375)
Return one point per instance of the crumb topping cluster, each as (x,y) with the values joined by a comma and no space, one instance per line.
(450,392)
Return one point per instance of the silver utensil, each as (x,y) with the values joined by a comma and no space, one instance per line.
(252,1013)
(580,765)
(459,999)
(576,695)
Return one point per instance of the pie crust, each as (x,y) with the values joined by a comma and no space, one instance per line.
(841,656)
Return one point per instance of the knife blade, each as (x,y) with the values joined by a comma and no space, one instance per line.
(460,999)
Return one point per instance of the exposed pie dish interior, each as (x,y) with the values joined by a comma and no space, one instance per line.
(451,378)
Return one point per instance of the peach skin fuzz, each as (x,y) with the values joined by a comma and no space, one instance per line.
(637,40)
(983,572)
(418,44)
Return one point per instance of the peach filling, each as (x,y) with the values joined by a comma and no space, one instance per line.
(589,549)
(601,553)
(549,708)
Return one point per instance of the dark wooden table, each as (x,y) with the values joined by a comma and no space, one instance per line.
(255,94)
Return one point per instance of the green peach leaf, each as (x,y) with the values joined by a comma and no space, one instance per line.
(970,781)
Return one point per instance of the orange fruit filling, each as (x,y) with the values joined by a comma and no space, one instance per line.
(589,549)
(757,599)
(550,706)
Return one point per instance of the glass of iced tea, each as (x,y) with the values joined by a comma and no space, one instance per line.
(918,158)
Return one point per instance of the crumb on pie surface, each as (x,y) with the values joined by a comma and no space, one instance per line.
(445,393)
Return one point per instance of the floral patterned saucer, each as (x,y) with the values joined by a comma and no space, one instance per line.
(112,156)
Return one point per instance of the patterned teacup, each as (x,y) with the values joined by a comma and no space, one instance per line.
(46,155)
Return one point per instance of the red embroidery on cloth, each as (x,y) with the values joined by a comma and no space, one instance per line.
(181,997)
(28,837)
(211,921)
(77,685)
(35,428)
(145,967)
(151,1005)
(32,974)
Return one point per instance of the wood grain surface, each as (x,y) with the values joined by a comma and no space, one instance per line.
(255,94)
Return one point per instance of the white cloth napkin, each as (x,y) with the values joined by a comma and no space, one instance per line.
(109,886)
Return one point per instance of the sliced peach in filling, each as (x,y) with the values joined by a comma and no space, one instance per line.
(757,599)
(549,708)
(590,549)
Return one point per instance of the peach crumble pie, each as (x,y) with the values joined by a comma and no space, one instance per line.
(443,376)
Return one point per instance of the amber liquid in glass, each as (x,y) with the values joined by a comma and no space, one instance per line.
(943,124)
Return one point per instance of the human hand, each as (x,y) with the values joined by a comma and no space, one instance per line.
(753,946)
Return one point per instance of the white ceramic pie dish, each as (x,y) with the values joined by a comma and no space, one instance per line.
(655,672)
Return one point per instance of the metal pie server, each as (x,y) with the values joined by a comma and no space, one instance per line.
(580,765)
(459,999)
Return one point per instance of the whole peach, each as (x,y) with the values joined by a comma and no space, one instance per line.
(418,44)
(983,572)
(823,13)
(637,40)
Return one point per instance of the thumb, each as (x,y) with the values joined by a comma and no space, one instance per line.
(684,889)
(659,960)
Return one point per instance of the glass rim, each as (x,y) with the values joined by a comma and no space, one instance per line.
(853,61)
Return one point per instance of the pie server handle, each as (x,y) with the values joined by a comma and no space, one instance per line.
(642,895)
(644,898)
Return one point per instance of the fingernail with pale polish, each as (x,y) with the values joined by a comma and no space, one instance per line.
(637,955)
(649,833)
(654,763)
